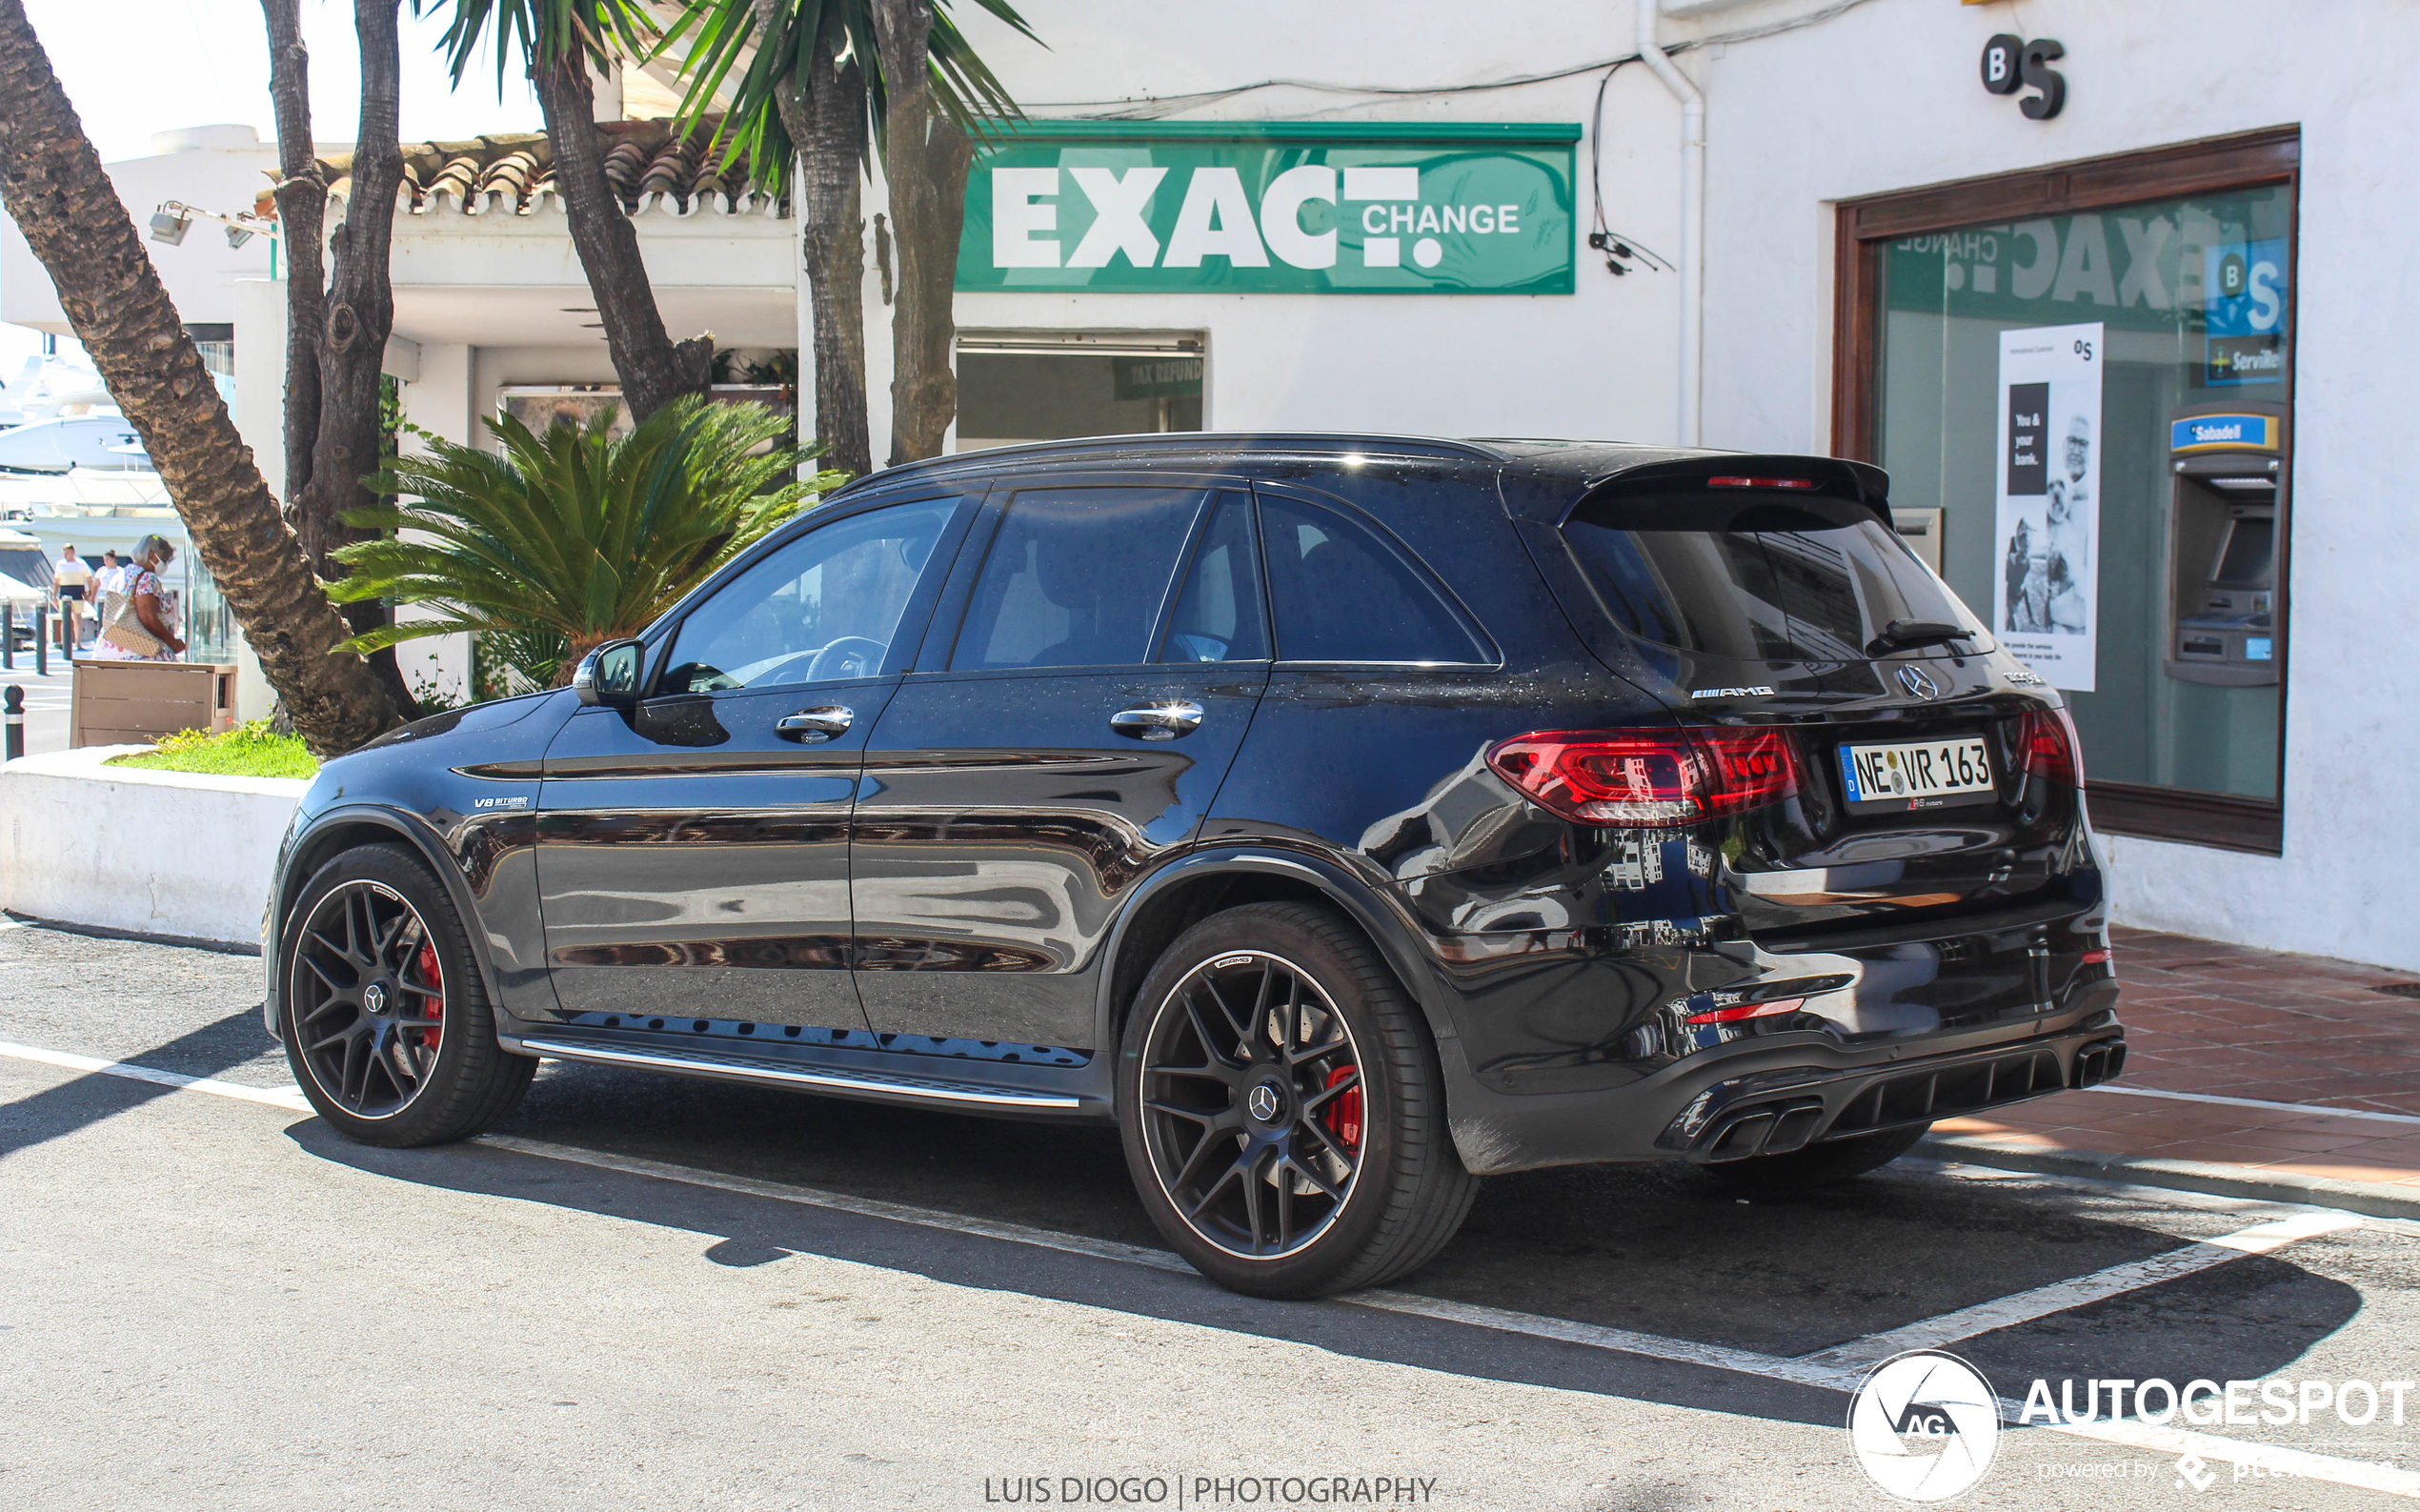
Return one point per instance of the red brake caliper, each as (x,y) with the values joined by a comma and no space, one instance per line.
(1343,1113)
(429,973)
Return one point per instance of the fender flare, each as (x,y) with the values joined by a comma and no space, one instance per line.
(404,826)
(1388,927)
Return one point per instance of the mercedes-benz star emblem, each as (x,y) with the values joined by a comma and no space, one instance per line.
(1919,683)
(1261,1102)
(374,998)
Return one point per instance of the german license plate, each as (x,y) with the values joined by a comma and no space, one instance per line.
(1925,774)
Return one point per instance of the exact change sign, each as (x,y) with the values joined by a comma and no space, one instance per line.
(1271,207)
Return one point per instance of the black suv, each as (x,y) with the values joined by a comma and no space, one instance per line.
(1345,816)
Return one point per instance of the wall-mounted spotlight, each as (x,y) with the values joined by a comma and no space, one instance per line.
(170,222)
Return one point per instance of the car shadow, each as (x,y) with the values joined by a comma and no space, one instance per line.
(2294,1307)
(58,1111)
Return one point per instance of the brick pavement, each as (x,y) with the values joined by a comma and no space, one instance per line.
(2228,1021)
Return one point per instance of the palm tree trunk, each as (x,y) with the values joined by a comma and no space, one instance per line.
(827,120)
(302,209)
(359,316)
(653,368)
(926,157)
(52,185)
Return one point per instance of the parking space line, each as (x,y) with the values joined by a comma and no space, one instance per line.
(1817,1370)
(2059,1296)
(288,1096)
(2317,1110)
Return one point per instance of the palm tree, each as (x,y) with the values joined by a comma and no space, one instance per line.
(817,78)
(559,42)
(51,184)
(573,534)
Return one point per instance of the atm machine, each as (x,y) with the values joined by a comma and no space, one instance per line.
(2227,527)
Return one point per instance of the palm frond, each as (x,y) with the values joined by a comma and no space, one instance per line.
(572,534)
(726,50)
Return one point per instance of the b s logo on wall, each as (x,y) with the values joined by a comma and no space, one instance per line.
(2010,64)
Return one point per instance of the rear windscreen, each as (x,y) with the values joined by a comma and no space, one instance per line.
(1756,576)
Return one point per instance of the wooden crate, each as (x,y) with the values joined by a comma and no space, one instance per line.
(137,702)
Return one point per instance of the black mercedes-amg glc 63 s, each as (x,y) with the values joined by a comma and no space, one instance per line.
(1345,816)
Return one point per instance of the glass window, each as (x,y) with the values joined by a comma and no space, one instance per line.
(1757,577)
(1075,578)
(1341,594)
(1218,617)
(2194,296)
(822,608)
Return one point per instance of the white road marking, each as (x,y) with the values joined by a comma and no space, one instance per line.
(1858,1355)
(288,1096)
(1820,1370)
(2316,1110)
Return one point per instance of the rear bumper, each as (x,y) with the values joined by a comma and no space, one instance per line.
(1765,1097)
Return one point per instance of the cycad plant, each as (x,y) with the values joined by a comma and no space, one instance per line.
(573,534)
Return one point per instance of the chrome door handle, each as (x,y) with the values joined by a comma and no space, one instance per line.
(1164,720)
(814,726)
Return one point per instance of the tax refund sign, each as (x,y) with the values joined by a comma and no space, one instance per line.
(1271,207)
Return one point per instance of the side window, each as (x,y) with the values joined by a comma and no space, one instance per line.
(1075,578)
(1341,594)
(822,608)
(1218,616)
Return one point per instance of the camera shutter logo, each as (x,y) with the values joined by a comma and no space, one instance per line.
(1924,1425)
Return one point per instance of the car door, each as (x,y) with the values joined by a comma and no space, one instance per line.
(693,849)
(1109,648)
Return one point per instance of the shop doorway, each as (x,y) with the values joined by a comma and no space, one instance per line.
(1051,384)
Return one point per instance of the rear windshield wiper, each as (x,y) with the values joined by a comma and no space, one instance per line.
(1902,634)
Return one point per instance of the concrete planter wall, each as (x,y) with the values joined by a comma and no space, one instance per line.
(156,853)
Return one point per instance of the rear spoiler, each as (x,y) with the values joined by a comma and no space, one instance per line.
(1823,476)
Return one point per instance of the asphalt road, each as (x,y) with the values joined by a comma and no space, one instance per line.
(213,1303)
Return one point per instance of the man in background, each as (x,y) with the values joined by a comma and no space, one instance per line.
(70,580)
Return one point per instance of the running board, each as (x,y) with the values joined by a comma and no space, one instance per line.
(773,1072)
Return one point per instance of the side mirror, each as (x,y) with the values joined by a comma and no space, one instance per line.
(609,675)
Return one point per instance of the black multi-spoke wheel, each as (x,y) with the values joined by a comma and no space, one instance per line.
(1281,1107)
(386,1022)
(369,997)
(1252,1104)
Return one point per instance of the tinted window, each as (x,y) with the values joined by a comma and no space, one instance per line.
(1075,578)
(1341,594)
(1218,616)
(822,608)
(1758,578)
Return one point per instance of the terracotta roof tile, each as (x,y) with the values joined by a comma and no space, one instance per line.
(650,168)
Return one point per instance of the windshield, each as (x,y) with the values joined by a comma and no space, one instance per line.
(1760,577)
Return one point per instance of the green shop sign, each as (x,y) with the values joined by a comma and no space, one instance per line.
(1271,207)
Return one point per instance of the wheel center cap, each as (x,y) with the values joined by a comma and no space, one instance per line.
(1262,1103)
(373,997)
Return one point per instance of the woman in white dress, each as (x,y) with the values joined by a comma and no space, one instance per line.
(153,606)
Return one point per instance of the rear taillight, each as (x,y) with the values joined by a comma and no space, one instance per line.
(2047,747)
(1747,1010)
(1639,778)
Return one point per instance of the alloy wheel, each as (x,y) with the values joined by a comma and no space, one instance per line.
(369,999)
(1252,1104)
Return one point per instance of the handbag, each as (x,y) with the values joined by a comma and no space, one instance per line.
(123,628)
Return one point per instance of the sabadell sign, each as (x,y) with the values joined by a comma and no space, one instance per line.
(1271,207)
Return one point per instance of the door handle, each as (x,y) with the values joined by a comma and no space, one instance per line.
(1164,720)
(814,726)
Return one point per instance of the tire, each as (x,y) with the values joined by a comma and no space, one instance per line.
(1328,1169)
(369,945)
(1818,1165)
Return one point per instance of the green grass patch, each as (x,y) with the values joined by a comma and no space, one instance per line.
(247,751)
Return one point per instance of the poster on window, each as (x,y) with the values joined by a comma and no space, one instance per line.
(2046,599)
